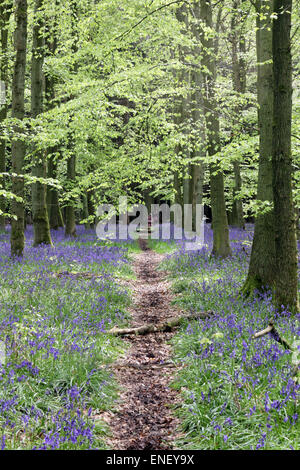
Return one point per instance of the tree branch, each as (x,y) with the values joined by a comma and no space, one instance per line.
(147,16)
(151,328)
(274,333)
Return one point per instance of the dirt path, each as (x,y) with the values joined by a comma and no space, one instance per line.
(144,419)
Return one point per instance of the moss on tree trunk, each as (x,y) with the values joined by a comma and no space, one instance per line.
(4,18)
(286,280)
(261,273)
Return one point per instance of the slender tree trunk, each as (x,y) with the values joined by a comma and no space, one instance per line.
(70,228)
(221,245)
(262,268)
(177,179)
(198,135)
(237,205)
(239,86)
(148,198)
(39,206)
(85,211)
(297,215)
(18,144)
(190,119)
(91,205)
(54,211)
(4,18)
(184,108)
(178,188)
(286,281)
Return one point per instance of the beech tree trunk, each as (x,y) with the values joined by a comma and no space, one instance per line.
(53,154)
(85,211)
(261,273)
(286,280)
(221,245)
(189,189)
(239,86)
(18,144)
(54,211)
(198,135)
(184,112)
(4,18)
(70,228)
(39,207)
(178,188)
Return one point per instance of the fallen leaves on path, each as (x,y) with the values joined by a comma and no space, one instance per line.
(144,419)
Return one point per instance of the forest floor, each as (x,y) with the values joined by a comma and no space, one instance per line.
(67,383)
(143,419)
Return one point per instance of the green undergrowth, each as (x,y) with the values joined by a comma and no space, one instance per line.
(57,350)
(162,246)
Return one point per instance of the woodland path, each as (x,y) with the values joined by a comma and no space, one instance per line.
(144,419)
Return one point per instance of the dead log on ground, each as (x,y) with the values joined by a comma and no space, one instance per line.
(152,328)
(76,275)
(274,333)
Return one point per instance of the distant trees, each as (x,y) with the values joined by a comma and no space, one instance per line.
(221,245)
(182,124)
(199,116)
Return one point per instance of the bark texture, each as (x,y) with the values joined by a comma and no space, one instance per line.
(54,212)
(198,135)
(70,228)
(18,141)
(85,211)
(221,245)
(239,86)
(184,111)
(262,269)
(53,153)
(39,207)
(4,18)
(286,281)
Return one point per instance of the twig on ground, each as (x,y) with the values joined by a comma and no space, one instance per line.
(274,333)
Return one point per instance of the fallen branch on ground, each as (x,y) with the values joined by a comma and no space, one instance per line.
(76,275)
(141,366)
(274,333)
(152,328)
